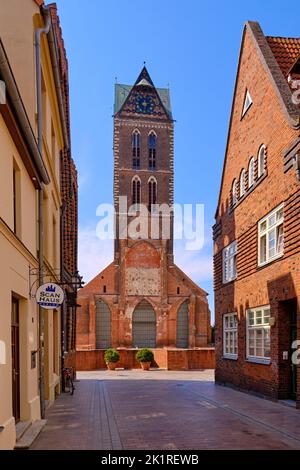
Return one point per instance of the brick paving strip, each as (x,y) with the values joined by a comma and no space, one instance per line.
(109,427)
(82,421)
(163,410)
(245,417)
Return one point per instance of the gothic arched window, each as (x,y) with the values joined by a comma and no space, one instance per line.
(136,150)
(234,192)
(136,190)
(152,150)
(242,182)
(251,173)
(152,187)
(261,160)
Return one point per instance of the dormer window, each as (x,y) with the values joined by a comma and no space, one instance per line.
(247,103)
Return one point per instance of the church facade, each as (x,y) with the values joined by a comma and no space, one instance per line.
(142,299)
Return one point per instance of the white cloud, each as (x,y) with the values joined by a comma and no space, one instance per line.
(198,265)
(93,254)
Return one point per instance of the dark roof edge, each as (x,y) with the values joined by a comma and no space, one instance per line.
(280,84)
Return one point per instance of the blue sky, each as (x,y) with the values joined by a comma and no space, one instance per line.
(193,47)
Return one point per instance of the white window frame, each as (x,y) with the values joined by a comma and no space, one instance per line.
(265,227)
(229,262)
(261,160)
(230,331)
(259,324)
(251,172)
(234,193)
(242,182)
(247,103)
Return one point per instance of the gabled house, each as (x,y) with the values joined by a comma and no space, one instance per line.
(257,229)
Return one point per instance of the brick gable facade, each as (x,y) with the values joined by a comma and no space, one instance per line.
(271,121)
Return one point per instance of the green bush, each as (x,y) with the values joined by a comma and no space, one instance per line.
(144,355)
(111,355)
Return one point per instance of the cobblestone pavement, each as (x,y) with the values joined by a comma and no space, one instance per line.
(165,410)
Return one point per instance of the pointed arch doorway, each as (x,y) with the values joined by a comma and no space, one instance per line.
(103,325)
(144,326)
(182,334)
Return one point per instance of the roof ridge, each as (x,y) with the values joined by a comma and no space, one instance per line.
(283,37)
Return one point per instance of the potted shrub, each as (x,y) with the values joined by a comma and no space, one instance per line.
(111,357)
(145,357)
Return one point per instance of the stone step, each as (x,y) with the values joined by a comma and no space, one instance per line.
(31,434)
(21,428)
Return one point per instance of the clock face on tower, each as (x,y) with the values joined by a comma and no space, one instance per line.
(144,104)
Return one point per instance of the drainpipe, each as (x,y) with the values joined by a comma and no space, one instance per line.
(38,34)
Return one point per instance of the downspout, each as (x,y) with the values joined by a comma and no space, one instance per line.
(64,306)
(38,34)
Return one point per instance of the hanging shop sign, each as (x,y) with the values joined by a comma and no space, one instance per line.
(50,296)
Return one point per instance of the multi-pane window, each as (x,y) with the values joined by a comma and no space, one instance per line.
(258,334)
(242,182)
(136,191)
(251,173)
(152,187)
(261,160)
(152,150)
(136,150)
(270,236)
(230,335)
(229,262)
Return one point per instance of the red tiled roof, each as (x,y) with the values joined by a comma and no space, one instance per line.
(285,50)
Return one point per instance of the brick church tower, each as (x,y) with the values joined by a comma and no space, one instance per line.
(142,299)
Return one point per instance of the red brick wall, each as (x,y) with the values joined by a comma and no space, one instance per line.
(265,123)
(163,358)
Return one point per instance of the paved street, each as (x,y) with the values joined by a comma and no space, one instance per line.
(165,410)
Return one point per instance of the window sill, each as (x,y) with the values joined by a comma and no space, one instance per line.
(230,280)
(259,360)
(232,357)
(269,261)
(249,191)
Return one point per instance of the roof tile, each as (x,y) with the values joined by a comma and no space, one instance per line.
(285,50)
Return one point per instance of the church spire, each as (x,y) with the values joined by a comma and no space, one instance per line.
(144,78)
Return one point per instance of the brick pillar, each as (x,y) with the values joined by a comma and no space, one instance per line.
(192,328)
(92,324)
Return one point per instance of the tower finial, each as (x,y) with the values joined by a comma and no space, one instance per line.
(144,62)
